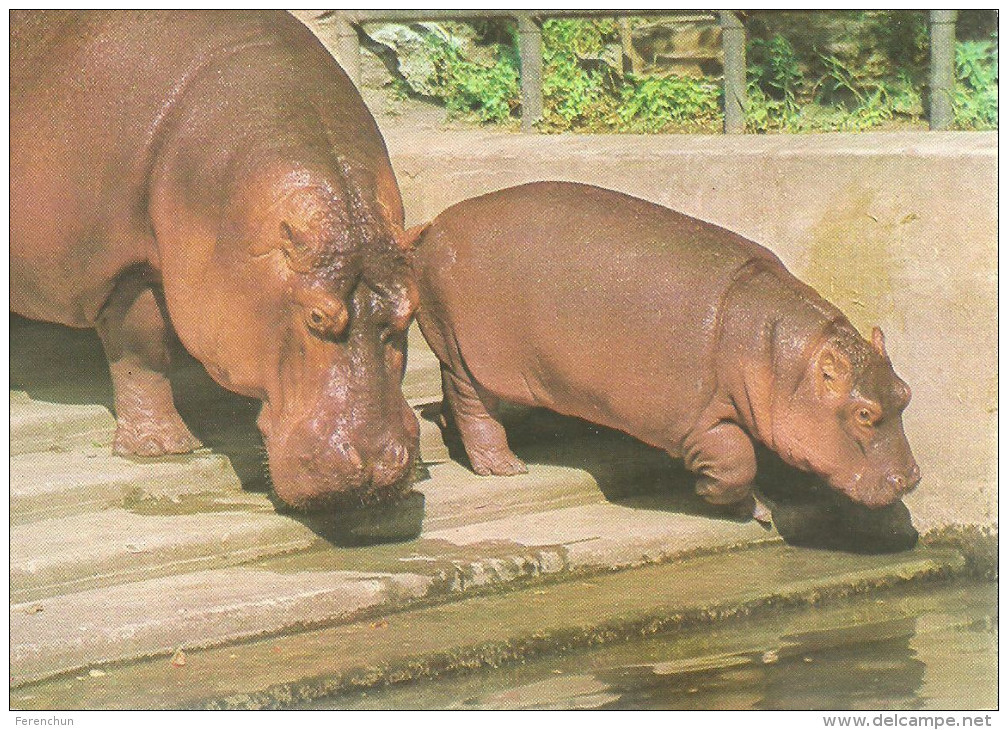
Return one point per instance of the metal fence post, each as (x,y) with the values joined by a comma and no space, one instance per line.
(733,43)
(942,67)
(530,49)
(348,47)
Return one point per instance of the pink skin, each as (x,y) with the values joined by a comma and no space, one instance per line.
(681,333)
(216,172)
(857,445)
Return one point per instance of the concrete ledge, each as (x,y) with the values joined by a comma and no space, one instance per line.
(116,546)
(36,426)
(51,485)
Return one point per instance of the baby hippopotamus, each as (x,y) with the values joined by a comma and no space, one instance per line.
(681,333)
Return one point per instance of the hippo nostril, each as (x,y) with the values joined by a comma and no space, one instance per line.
(353,458)
(897,482)
(392,463)
(403,457)
(397,455)
(913,477)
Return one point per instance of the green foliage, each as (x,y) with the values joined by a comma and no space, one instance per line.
(592,99)
(653,104)
(873,76)
(901,36)
(776,70)
(572,95)
(775,80)
(491,93)
(975,97)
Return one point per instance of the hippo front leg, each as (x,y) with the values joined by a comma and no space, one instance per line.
(482,434)
(725,461)
(134,333)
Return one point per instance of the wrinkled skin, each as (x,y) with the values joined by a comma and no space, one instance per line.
(218,170)
(676,331)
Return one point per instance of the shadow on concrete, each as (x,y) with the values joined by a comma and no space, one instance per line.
(64,365)
(378,524)
(805,511)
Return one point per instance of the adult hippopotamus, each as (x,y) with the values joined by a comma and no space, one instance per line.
(683,334)
(218,170)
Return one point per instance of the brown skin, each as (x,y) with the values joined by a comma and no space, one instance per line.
(683,334)
(217,169)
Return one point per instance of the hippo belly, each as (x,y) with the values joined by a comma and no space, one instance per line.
(624,313)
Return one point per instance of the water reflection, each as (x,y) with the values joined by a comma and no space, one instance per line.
(858,677)
(935,649)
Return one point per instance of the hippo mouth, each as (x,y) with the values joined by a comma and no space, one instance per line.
(878,493)
(342,501)
(318,474)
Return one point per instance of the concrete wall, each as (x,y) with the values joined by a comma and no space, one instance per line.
(897,229)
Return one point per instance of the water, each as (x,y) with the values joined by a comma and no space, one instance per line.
(932,648)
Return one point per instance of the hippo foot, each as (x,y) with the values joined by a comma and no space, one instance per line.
(499,462)
(154,438)
(729,496)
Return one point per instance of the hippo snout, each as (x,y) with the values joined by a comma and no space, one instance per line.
(884,490)
(904,482)
(311,472)
(393,462)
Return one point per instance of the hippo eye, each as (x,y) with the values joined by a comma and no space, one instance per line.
(866,415)
(328,320)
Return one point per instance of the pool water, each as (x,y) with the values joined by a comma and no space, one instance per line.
(931,648)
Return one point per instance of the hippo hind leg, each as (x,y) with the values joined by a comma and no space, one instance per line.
(482,434)
(134,332)
(725,462)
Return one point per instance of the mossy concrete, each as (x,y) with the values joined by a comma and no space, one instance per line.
(927,646)
(487,631)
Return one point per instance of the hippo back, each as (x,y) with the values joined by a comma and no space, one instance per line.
(591,279)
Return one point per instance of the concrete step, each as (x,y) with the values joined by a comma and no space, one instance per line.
(37,426)
(477,631)
(59,484)
(477,532)
(201,608)
(327,584)
(82,552)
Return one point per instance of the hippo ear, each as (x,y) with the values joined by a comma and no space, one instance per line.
(407,239)
(833,371)
(296,248)
(878,341)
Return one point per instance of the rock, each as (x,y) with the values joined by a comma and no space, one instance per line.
(411,45)
(681,47)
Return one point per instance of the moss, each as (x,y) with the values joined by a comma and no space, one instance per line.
(978,545)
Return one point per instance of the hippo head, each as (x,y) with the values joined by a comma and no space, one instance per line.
(305,305)
(335,423)
(844,420)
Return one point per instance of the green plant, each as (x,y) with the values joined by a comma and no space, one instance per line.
(901,36)
(572,95)
(975,96)
(764,114)
(776,71)
(652,104)
(491,93)
(871,73)
(864,99)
